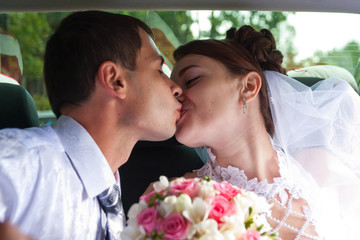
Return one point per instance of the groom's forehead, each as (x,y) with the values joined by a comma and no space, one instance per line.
(149,52)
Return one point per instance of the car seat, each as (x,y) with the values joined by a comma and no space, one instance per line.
(148,161)
(17,107)
(310,75)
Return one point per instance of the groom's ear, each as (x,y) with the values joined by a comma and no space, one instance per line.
(113,79)
(251,84)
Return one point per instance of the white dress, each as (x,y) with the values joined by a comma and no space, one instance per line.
(281,191)
(318,129)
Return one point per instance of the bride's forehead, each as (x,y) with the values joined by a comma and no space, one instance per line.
(194,59)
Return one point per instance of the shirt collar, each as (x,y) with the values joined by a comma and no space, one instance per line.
(86,157)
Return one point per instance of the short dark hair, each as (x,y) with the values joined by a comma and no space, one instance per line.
(82,42)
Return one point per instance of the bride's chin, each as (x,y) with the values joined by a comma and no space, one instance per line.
(178,136)
(184,138)
(185,133)
(181,136)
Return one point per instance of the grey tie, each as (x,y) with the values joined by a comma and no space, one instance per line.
(110,202)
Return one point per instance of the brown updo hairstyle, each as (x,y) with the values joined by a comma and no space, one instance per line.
(243,51)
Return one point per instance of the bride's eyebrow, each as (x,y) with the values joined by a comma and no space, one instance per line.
(182,71)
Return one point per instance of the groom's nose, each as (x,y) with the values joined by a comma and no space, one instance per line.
(180,98)
(175,89)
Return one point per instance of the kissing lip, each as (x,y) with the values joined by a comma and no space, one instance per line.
(179,111)
(182,112)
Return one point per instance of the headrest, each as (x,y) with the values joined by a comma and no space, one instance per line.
(17,108)
(6,79)
(323,72)
(11,47)
(308,81)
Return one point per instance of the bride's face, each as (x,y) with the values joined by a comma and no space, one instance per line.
(210,100)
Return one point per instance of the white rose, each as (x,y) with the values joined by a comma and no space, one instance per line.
(205,230)
(207,189)
(167,206)
(198,211)
(243,204)
(233,226)
(260,204)
(136,208)
(177,180)
(212,236)
(132,232)
(230,235)
(183,202)
(162,184)
(261,220)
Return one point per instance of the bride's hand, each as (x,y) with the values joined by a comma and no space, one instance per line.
(191,174)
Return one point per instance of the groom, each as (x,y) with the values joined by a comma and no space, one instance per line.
(105,84)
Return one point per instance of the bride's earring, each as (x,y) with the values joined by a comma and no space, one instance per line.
(244,105)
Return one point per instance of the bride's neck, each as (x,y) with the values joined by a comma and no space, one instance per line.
(251,152)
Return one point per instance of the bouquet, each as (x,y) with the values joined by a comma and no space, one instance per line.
(198,209)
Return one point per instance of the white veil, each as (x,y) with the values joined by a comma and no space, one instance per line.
(318,127)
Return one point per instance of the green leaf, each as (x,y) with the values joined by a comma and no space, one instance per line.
(248,223)
(157,235)
(159,196)
(206,178)
(153,234)
(274,235)
(250,210)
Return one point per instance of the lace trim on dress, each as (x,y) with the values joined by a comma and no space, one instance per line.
(238,178)
(282,188)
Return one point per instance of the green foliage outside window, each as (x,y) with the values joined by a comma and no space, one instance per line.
(33,29)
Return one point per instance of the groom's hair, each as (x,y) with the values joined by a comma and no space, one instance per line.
(82,42)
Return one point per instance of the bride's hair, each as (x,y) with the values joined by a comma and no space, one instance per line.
(261,45)
(244,50)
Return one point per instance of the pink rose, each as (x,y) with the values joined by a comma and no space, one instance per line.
(175,227)
(147,218)
(220,207)
(250,235)
(227,190)
(187,186)
(147,196)
(153,198)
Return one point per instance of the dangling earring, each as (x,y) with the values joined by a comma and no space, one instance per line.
(244,105)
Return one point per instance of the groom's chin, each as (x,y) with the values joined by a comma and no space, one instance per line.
(165,133)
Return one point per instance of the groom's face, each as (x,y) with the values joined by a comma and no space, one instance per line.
(155,106)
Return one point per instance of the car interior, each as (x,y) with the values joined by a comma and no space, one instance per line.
(149,160)
(19,107)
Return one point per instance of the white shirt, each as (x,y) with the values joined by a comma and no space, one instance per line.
(50,179)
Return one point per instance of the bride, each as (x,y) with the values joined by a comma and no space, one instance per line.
(265,132)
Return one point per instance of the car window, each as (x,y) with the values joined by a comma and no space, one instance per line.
(306,40)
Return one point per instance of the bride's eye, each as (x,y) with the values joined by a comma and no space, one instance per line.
(191,81)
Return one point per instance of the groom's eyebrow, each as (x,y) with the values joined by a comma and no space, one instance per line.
(182,71)
(155,58)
